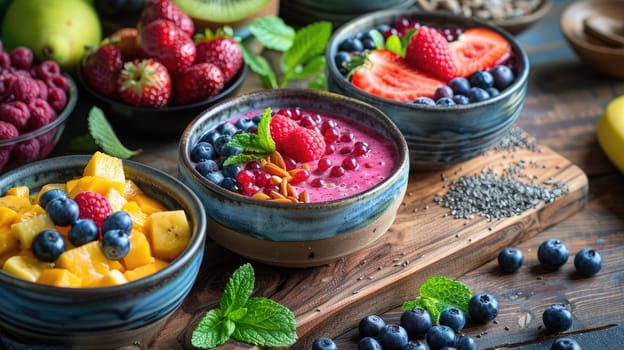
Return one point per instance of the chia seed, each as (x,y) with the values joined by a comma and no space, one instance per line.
(516,138)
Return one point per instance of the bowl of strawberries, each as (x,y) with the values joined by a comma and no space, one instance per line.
(453,85)
(154,78)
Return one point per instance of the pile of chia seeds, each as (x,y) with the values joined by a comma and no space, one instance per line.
(516,138)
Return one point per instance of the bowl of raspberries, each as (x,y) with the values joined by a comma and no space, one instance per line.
(154,78)
(36,99)
(453,85)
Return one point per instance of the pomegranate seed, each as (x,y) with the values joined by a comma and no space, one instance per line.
(323,164)
(262,179)
(290,163)
(350,163)
(330,148)
(331,135)
(402,24)
(329,124)
(253,165)
(295,113)
(300,176)
(307,122)
(336,171)
(318,183)
(360,148)
(347,137)
(249,189)
(316,118)
(346,150)
(245,177)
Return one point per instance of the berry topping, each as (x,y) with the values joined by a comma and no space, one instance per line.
(429,52)
(281,129)
(478,49)
(305,145)
(48,245)
(93,206)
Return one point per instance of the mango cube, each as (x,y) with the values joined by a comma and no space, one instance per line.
(145,270)
(106,166)
(8,241)
(15,203)
(140,252)
(59,278)
(112,278)
(148,204)
(88,262)
(26,231)
(19,191)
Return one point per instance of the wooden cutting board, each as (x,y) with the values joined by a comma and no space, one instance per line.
(424,241)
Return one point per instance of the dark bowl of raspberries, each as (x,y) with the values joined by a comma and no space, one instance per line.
(453,85)
(36,100)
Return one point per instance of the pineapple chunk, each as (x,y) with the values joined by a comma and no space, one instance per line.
(148,204)
(169,233)
(13,202)
(8,241)
(116,199)
(138,216)
(29,212)
(45,188)
(7,216)
(108,167)
(140,252)
(19,191)
(26,231)
(25,267)
(96,184)
(59,277)
(112,278)
(88,262)
(145,270)
(131,190)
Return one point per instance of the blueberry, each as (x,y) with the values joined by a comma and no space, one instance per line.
(231,170)
(210,137)
(230,184)
(453,317)
(202,151)
(370,326)
(244,123)
(424,101)
(416,322)
(440,336)
(62,211)
(445,101)
(503,76)
(351,45)
(215,177)
(227,129)
(557,318)
(48,245)
(369,343)
(119,220)
(392,336)
(459,85)
(552,254)
(448,348)
(115,244)
(483,307)
(342,59)
(443,91)
(587,262)
(206,166)
(482,79)
(369,44)
(324,343)
(565,344)
(477,94)
(83,231)
(461,100)
(465,342)
(492,91)
(49,195)
(415,344)
(510,259)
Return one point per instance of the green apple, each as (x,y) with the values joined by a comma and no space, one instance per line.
(53,29)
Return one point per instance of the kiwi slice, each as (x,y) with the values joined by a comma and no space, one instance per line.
(220,11)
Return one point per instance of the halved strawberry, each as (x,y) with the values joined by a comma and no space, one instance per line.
(429,51)
(478,49)
(386,74)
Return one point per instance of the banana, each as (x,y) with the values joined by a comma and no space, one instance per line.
(610,132)
(169,232)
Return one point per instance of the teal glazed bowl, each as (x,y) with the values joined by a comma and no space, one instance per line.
(437,136)
(37,316)
(297,234)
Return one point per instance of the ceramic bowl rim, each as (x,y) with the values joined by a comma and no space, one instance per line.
(569,31)
(72,100)
(195,246)
(353,25)
(400,143)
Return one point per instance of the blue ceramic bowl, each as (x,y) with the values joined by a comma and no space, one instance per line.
(36,316)
(301,234)
(437,136)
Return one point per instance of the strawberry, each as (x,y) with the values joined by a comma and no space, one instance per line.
(94,206)
(166,9)
(144,83)
(163,41)
(304,145)
(101,69)
(478,49)
(127,39)
(429,51)
(281,127)
(221,50)
(386,74)
(197,83)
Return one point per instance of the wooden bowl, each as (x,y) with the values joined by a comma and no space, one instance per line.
(596,54)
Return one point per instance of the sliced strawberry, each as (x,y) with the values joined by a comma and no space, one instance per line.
(478,49)
(386,74)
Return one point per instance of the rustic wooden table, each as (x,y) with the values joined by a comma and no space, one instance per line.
(563,104)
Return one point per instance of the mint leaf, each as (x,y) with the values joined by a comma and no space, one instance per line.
(212,330)
(272,33)
(310,41)
(83,144)
(260,66)
(439,293)
(105,137)
(238,289)
(378,38)
(316,65)
(255,146)
(319,83)
(393,43)
(266,323)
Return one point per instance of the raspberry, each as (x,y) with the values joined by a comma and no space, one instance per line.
(5,60)
(21,57)
(57,80)
(26,151)
(41,113)
(281,127)
(47,69)
(93,206)
(24,89)
(57,98)
(305,145)
(16,113)
(43,89)
(7,131)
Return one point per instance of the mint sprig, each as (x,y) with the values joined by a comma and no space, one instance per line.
(257,321)
(255,146)
(439,293)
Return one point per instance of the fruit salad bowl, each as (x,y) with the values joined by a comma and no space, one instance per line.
(441,128)
(340,207)
(50,315)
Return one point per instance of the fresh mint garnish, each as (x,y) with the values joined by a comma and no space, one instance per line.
(439,293)
(273,33)
(257,321)
(255,146)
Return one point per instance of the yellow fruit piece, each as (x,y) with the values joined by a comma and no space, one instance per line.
(20,191)
(116,199)
(140,251)
(25,267)
(112,278)
(13,202)
(26,231)
(7,216)
(148,204)
(137,215)
(95,184)
(88,262)
(8,241)
(59,277)
(610,132)
(131,190)
(29,212)
(145,270)
(45,188)
(108,167)
(169,233)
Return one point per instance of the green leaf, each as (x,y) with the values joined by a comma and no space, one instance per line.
(378,38)
(212,330)
(310,41)
(255,146)
(105,137)
(439,293)
(393,43)
(266,323)
(272,33)
(313,67)
(238,289)
(260,66)
(319,83)
(237,314)
(406,40)
(83,144)
(264,131)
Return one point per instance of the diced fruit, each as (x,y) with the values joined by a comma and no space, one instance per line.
(169,233)
(59,278)
(429,52)
(138,216)
(131,190)
(27,230)
(95,184)
(8,241)
(13,202)
(19,191)
(478,49)
(145,270)
(7,216)
(108,167)
(25,267)
(87,262)
(116,199)
(140,254)
(148,204)
(112,278)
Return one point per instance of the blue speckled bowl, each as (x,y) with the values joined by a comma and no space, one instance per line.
(437,136)
(304,234)
(36,316)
